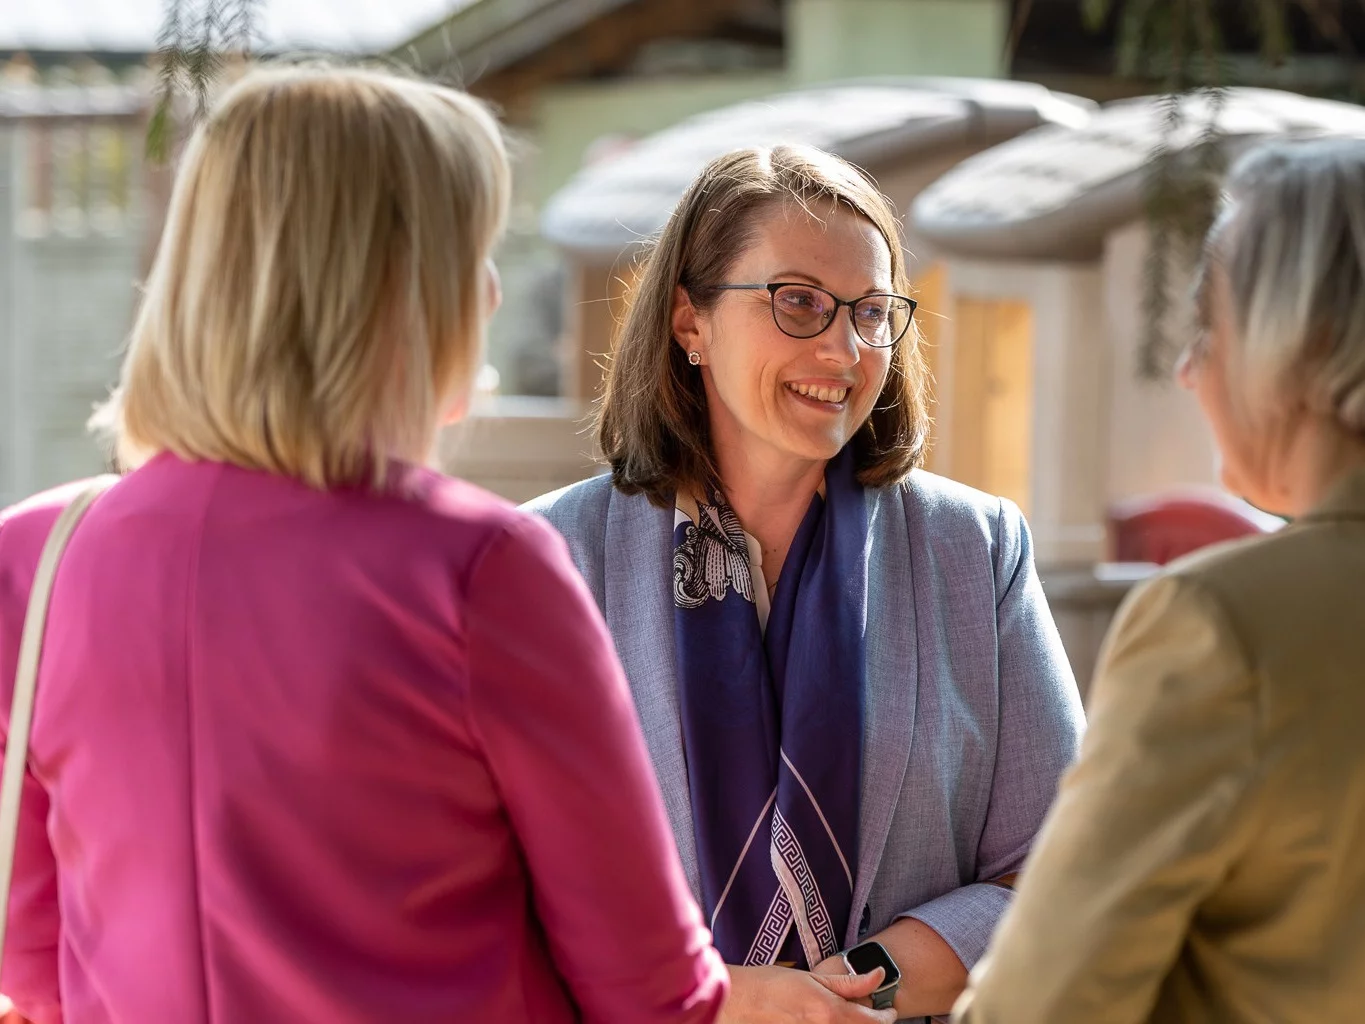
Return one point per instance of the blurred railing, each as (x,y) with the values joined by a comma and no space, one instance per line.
(1083,600)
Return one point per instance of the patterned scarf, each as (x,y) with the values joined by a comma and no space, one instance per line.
(772,724)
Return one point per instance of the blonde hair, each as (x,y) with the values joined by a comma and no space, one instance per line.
(1291,243)
(652,422)
(318,297)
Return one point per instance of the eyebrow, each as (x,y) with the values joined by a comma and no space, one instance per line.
(789,275)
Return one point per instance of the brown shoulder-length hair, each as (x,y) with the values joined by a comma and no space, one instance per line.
(652,422)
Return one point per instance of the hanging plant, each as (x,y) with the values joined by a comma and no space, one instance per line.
(1178,43)
(195,37)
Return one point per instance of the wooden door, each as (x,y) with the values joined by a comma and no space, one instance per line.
(992,414)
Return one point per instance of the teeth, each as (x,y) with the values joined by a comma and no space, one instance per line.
(820,394)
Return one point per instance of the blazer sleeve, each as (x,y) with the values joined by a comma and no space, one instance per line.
(1147,822)
(30,976)
(34,926)
(550,703)
(1040,725)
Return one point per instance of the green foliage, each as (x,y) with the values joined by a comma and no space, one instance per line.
(1179,44)
(195,37)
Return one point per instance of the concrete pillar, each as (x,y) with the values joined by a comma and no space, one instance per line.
(1158,439)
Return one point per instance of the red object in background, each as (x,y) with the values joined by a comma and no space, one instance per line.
(1160,528)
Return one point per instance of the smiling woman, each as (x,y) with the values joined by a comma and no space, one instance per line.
(855,745)
(786,216)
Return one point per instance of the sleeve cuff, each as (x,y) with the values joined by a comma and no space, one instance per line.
(966,918)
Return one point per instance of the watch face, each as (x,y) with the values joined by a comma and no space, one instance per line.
(871,955)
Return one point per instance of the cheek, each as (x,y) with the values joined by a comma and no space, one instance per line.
(1233,436)
(747,359)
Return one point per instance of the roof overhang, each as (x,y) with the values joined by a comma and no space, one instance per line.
(610,206)
(1056,192)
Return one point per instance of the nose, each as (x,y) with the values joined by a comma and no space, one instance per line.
(839,343)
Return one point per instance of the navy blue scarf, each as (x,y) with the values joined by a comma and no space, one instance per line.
(772,724)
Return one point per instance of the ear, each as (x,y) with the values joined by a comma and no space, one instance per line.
(687,324)
(454,412)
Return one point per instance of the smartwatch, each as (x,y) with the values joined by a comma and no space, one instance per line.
(868,956)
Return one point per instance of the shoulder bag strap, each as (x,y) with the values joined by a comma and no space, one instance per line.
(26,686)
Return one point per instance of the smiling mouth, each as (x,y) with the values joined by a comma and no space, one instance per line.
(833,396)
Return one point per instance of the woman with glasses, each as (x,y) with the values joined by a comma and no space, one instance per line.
(1206,857)
(855,699)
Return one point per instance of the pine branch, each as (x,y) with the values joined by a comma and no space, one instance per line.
(1094,13)
(1180,42)
(240,26)
(1182,180)
(171,64)
(1137,35)
(1271,18)
(1162,204)
(194,36)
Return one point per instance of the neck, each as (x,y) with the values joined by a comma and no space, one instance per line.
(1318,456)
(770,497)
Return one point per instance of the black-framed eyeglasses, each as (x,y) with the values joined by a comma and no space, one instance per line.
(806,311)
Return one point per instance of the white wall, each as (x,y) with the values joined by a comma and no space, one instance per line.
(1157,439)
(1071,382)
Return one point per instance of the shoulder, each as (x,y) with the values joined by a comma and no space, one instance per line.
(491,524)
(25,525)
(1219,566)
(1303,575)
(576,508)
(43,507)
(579,514)
(945,516)
(946,504)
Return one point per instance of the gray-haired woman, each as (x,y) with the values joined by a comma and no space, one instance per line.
(1205,860)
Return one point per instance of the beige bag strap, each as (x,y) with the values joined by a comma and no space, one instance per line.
(26,686)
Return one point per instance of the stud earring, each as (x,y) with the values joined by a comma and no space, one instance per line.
(694,357)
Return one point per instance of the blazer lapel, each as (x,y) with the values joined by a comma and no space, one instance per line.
(892,685)
(638,581)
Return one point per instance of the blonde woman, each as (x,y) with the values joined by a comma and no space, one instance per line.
(1205,861)
(300,752)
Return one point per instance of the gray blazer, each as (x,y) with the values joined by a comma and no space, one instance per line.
(972,711)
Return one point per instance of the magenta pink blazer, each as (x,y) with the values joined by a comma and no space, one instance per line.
(332,757)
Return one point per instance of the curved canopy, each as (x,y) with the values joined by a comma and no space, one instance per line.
(1057,191)
(614,204)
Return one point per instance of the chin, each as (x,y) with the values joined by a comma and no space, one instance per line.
(817,449)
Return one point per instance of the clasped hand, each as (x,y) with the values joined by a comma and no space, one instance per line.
(780,995)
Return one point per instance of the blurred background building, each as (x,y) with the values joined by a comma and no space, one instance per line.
(999,127)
